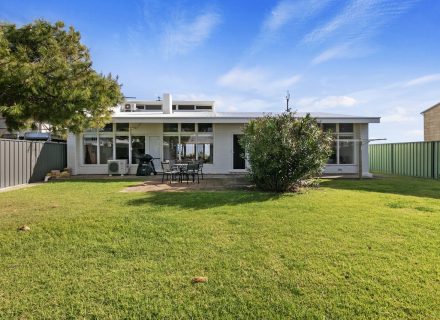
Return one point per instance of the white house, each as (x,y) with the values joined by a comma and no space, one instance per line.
(170,130)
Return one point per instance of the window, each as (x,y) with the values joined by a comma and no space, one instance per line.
(346,152)
(188,127)
(333,157)
(122,127)
(122,147)
(329,127)
(186,144)
(153,107)
(174,107)
(137,148)
(105,149)
(205,127)
(170,147)
(344,146)
(90,150)
(170,127)
(205,148)
(346,127)
(188,147)
(140,107)
(203,107)
(186,107)
(107,128)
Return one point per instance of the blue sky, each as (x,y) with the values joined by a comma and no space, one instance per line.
(360,57)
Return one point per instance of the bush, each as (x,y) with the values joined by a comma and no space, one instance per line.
(283,150)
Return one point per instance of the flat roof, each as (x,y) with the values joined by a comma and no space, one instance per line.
(183,102)
(229,117)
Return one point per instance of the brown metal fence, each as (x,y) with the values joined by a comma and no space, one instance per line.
(28,161)
(416,159)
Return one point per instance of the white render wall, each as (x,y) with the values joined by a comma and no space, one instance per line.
(223,150)
(364,150)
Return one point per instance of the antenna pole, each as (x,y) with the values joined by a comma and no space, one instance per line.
(287,101)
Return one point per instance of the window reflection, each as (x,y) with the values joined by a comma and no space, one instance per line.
(346,152)
(122,147)
(90,145)
(188,147)
(170,147)
(333,156)
(137,148)
(105,149)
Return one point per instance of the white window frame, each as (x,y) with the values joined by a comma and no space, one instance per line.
(336,136)
(179,133)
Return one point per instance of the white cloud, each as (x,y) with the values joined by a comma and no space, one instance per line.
(288,11)
(280,15)
(398,114)
(287,15)
(256,80)
(340,51)
(417,133)
(345,50)
(358,20)
(422,80)
(283,12)
(183,36)
(327,102)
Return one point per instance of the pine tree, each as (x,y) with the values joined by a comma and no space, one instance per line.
(46,76)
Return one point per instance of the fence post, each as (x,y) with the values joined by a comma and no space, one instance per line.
(392,159)
(432,159)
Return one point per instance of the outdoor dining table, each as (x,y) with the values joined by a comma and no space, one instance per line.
(181,167)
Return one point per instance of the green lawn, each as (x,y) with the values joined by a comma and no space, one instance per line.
(351,249)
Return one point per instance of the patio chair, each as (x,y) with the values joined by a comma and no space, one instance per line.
(201,168)
(168,170)
(192,169)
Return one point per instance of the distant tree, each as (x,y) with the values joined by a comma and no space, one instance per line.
(46,76)
(284,150)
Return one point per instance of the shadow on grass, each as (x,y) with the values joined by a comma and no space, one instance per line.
(202,200)
(408,186)
(136,180)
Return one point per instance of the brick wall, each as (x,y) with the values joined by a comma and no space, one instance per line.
(432,124)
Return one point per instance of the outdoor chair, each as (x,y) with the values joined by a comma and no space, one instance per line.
(192,169)
(200,171)
(168,170)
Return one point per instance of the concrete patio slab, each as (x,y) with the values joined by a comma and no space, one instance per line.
(209,183)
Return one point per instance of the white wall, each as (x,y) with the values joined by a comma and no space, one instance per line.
(73,152)
(364,150)
(223,150)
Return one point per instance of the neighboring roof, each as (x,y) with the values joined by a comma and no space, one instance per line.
(229,117)
(434,106)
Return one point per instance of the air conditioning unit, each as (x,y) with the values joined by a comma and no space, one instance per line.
(117,167)
(128,107)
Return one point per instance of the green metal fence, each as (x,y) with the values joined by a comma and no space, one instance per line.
(416,159)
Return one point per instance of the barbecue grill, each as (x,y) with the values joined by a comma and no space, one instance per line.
(146,165)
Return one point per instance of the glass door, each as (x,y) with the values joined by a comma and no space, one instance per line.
(238,153)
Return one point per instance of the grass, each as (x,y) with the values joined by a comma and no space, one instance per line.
(351,249)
